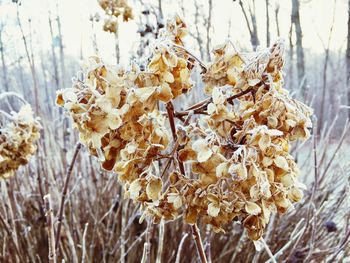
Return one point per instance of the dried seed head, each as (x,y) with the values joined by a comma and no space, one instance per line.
(237,151)
(17,141)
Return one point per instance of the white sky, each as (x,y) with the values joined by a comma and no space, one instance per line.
(316,17)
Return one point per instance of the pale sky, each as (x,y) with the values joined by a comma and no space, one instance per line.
(316,18)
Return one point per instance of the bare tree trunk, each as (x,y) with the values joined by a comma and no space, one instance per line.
(117,50)
(94,38)
(47,93)
(63,75)
(210,7)
(252,26)
(54,59)
(267,23)
(255,26)
(277,10)
(21,75)
(198,34)
(348,59)
(160,9)
(299,43)
(229,28)
(5,80)
(322,116)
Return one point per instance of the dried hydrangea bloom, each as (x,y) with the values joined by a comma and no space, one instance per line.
(257,176)
(225,69)
(111,25)
(113,9)
(17,141)
(172,66)
(231,162)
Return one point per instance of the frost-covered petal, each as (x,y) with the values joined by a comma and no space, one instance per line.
(252,208)
(211,108)
(213,210)
(264,142)
(154,188)
(281,162)
(203,151)
(168,77)
(175,199)
(134,189)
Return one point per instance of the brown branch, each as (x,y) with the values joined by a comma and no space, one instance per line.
(200,107)
(171,114)
(249,90)
(170,111)
(195,230)
(199,104)
(185,113)
(199,244)
(64,193)
(198,35)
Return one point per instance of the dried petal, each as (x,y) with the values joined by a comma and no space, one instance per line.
(202,149)
(213,210)
(252,208)
(281,162)
(154,188)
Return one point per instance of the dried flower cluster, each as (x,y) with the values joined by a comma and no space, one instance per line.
(17,141)
(113,9)
(228,158)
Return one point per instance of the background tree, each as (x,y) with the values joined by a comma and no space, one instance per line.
(295,20)
(348,59)
(251,23)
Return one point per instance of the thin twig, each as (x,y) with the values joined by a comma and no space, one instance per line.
(160,243)
(201,63)
(84,243)
(11,237)
(335,152)
(6,115)
(12,94)
(50,229)
(268,251)
(178,254)
(64,193)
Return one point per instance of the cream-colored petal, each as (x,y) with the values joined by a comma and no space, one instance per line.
(213,210)
(281,162)
(252,208)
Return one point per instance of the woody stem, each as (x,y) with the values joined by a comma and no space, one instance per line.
(176,144)
(200,107)
(198,242)
(171,114)
(194,228)
(242,93)
(64,194)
